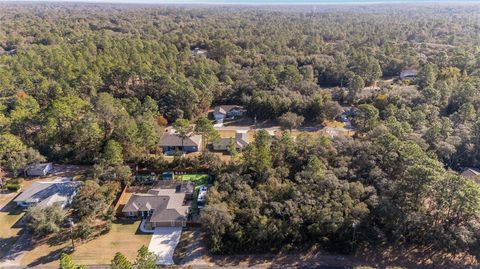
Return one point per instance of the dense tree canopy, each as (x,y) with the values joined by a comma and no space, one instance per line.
(96,84)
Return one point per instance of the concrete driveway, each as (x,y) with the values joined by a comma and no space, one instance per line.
(163,243)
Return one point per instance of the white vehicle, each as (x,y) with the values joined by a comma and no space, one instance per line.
(202,195)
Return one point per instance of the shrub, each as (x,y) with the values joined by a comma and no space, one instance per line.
(108,227)
(85,230)
(44,220)
(13,185)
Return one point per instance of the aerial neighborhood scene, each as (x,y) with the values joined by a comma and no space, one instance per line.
(240,134)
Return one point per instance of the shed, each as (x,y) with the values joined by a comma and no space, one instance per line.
(168,175)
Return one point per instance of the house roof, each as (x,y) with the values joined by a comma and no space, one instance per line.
(470,172)
(179,186)
(165,199)
(38,167)
(407,73)
(224,109)
(241,140)
(173,140)
(144,202)
(48,193)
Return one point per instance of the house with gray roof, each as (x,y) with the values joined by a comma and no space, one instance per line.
(240,141)
(221,113)
(405,74)
(165,205)
(172,142)
(48,193)
(39,169)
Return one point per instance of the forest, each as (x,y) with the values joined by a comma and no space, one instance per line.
(97,84)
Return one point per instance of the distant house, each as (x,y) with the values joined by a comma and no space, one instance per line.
(240,140)
(39,169)
(166,205)
(11,52)
(48,193)
(224,112)
(408,74)
(172,142)
(472,174)
(199,52)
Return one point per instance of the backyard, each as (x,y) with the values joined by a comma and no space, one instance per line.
(199,179)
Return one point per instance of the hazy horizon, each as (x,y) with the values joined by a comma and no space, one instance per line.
(261,2)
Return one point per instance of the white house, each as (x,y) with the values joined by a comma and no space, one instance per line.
(48,193)
(408,74)
(39,169)
(199,52)
(221,113)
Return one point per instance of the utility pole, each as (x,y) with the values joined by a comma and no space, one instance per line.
(354,226)
(71,233)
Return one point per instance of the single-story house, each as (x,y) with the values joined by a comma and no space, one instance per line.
(172,142)
(166,205)
(470,172)
(408,74)
(240,140)
(199,52)
(48,193)
(39,169)
(221,113)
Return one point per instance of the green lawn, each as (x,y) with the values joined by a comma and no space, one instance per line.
(199,179)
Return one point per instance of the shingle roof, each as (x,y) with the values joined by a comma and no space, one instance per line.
(36,168)
(241,140)
(470,172)
(48,193)
(226,108)
(167,203)
(173,140)
(144,202)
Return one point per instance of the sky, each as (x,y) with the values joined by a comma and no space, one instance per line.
(268,2)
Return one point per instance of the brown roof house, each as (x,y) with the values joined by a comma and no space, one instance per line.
(471,173)
(165,205)
(171,143)
(240,141)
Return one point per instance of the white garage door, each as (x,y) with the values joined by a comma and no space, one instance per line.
(163,243)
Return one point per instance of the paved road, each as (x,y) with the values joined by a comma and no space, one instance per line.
(163,243)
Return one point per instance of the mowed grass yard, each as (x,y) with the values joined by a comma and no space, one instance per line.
(124,237)
(9,216)
(198,179)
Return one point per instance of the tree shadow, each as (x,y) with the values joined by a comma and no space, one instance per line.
(50,257)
